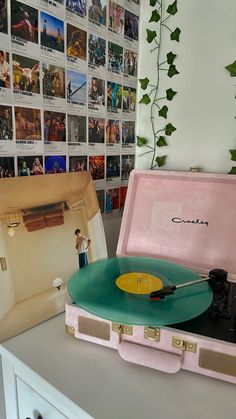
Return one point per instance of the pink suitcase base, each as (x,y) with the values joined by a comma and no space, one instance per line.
(160,355)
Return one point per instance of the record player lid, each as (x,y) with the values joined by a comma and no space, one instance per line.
(184,217)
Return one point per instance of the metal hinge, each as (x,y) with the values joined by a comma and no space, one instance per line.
(152,333)
(122,329)
(184,345)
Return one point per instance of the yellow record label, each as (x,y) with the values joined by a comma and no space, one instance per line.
(139,283)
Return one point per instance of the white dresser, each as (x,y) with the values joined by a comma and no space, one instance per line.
(29,396)
(49,373)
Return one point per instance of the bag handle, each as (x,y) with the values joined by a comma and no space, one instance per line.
(150,357)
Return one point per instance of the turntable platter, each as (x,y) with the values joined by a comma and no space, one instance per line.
(94,288)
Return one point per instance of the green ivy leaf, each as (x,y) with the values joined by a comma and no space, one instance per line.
(172,71)
(153,3)
(163,111)
(155,16)
(233,171)
(232,69)
(144,83)
(150,35)
(145,99)
(233,154)
(170,94)
(161,142)
(161,160)
(174,36)
(172,9)
(170,57)
(169,128)
(141,141)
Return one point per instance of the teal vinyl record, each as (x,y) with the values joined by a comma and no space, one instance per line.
(94,288)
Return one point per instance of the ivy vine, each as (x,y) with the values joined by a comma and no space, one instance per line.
(158,105)
(232,70)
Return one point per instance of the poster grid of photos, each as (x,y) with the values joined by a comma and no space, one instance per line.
(68,79)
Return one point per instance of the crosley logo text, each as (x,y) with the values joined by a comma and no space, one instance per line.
(178,220)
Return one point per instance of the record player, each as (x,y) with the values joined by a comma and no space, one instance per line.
(168,301)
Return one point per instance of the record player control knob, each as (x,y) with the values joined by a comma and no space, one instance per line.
(219,274)
(220,287)
(218,279)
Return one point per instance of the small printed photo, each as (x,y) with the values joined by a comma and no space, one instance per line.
(30,165)
(123,193)
(78,164)
(52,32)
(96,128)
(26,74)
(55,165)
(115,58)
(97,11)
(129,99)
(76,43)
(24,22)
(127,165)
(6,127)
(116,17)
(96,92)
(54,126)
(131,25)
(114,95)
(27,124)
(53,80)
(3,16)
(96,51)
(101,199)
(77,7)
(97,167)
(113,131)
(5,80)
(130,63)
(112,199)
(76,129)
(128,132)
(7,168)
(113,167)
(76,87)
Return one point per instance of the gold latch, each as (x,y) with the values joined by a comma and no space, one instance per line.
(70,330)
(122,329)
(152,333)
(184,345)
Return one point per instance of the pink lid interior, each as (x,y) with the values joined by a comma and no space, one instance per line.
(187,218)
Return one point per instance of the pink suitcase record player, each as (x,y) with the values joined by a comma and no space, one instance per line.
(173,218)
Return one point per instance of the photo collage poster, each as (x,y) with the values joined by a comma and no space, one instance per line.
(68,79)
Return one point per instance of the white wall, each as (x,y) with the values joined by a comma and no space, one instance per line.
(112,229)
(96,234)
(7,296)
(204,109)
(35,259)
(38,257)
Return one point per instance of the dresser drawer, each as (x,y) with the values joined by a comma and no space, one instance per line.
(31,404)
(28,395)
